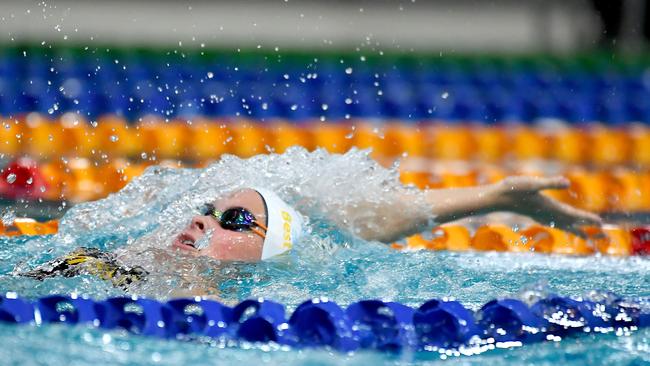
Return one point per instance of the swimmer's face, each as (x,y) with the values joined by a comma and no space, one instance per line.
(226,245)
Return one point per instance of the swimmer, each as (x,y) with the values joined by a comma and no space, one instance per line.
(255,224)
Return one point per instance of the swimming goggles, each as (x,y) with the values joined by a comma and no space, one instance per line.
(235,219)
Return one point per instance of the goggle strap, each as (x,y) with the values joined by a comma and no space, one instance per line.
(258,232)
(261,225)
(216,214)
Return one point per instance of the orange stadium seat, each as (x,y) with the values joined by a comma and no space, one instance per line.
(570,146)
(627,191)
(117,138)
(588,190)
(12,135)
(286,135)
(640,137)
(164,140)
(421,180)
(249,138)
(44,138)
(491,143)
(452,143)
(528,143)
(81,139)
(609,146)
(405,139)
(334,137)
(208,140)
(371,136)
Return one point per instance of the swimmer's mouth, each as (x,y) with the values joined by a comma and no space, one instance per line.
(184,241)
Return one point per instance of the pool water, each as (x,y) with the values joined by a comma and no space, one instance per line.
(139,222)
(60,344)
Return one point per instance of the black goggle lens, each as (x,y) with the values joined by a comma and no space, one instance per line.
(236,218)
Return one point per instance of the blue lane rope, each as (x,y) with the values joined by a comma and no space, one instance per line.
(366,324)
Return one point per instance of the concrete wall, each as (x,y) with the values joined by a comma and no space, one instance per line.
(447,26)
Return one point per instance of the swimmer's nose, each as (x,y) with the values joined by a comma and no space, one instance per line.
(199,223)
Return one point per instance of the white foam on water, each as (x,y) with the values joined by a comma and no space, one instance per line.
(339,195)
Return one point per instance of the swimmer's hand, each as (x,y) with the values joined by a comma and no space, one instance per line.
(397,216)
(523,195)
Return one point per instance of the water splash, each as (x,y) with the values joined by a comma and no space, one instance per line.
(139,222)
(204,241)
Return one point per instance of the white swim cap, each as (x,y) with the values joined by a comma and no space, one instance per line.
(284,225)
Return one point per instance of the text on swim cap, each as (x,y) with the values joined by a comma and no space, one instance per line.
(287,230)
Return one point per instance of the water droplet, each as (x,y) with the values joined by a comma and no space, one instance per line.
(114,138)
(30,180)
(8,217)
(11,178)
(348,71)
(294,107)
(204,242)
(324,107)
(156,357)
(445,95)
(143,155)
(265,106)
(348,101)
(210,75)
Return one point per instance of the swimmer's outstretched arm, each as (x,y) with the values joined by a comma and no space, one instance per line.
(521,195)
